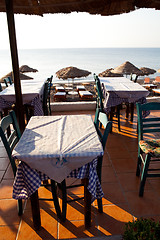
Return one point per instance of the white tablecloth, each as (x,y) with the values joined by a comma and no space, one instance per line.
(56,145)
(32,92)
(120,89)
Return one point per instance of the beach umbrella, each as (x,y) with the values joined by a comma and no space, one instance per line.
(21,75)
(127,68)
(146,71)
(26,68)
(108,73)
(72,72)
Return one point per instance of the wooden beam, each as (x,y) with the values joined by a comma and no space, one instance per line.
(15,64)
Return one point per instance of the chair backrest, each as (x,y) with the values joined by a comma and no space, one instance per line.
(99,92)
(1,87)
(49,80)
(149,124)
(45,97)
(147,80)
(101,117)
(10,141)
(7,80)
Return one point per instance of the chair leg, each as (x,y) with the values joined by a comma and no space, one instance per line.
(144,175)
(127,110)
(139,162)
(20,207)
(132,111)
(99,171)
(100,205)
(87,204)
(60,213)
(118,116)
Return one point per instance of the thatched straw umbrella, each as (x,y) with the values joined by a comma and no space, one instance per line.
(127,68)
(22,76)
(108,73)
(72,72)
(26,68)
(146,71)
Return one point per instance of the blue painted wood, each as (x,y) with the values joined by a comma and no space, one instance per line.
(10,141)
(149,125)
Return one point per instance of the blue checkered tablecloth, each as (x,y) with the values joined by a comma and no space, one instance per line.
(28,180)
(36,103)
(111,99)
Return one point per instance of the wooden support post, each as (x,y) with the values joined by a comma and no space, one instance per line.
(15,64)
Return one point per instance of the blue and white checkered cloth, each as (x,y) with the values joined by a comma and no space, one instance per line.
(28,180)
(36,103)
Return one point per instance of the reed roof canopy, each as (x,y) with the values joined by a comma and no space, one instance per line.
(102,7)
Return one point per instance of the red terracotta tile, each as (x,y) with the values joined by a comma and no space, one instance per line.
(1,175)
(106,159)
(6,189)
(147,205)
(48,229)
(76,229)
(9,213)
(130,182)
(108,174)
(112,193)
(113,219)
(4,162)
(8,232)
(9,173)
(124,165)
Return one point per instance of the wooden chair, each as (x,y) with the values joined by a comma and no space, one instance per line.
(100,103)
(10,141)
(148,148)
(61,211)
(49,80)
(45,100)
(7,81)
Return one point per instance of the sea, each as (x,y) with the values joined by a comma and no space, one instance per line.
(95,60)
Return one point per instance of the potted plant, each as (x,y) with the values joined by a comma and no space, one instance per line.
(142,229)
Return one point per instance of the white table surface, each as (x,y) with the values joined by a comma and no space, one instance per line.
(124,88)
(30,89)
(56,145)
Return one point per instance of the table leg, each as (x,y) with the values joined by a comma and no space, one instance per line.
(132,111)
(127,110)
(35,210)
(87,204)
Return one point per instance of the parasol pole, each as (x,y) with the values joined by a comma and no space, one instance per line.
(15,64)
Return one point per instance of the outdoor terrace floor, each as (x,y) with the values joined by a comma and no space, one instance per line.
(121,202)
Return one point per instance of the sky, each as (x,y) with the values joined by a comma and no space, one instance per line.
(82,30)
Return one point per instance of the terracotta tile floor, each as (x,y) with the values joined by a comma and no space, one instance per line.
(121,202)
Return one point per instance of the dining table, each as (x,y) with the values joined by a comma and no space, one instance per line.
(119,90)
(55,147)
(32,93)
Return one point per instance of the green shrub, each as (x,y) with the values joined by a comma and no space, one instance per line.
(142,229)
